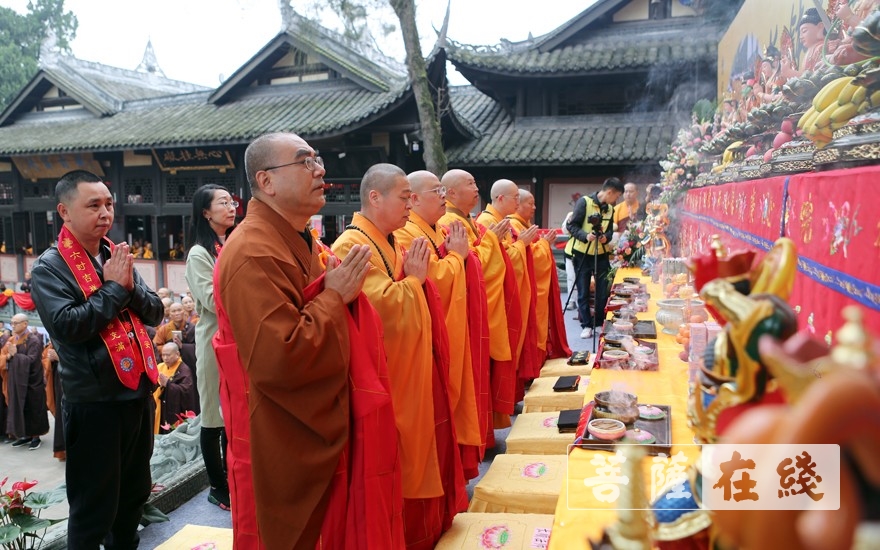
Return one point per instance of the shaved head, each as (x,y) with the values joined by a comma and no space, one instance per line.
(428,196)
(381,178)
(461,189)
(526,208)
(386,197)
(505,197)
(502,187)
(422,181)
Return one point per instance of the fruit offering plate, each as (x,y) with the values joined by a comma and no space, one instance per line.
(641,329)
(660,428)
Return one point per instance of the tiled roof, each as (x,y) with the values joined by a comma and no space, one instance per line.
(628,138)
(313,110)
(120,84)
(357,62)
(100,88)
(616,47)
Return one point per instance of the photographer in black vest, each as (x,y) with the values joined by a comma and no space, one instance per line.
(591,228)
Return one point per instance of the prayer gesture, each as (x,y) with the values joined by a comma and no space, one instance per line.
(550,237)
(416,262)
(501,228)
(530,235)
(456,240)
(347,277)
(120,267)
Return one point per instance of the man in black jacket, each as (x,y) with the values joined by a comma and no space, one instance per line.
(94,306)
(591,227)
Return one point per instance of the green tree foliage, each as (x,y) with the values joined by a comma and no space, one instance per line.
(21,37)
(359,19)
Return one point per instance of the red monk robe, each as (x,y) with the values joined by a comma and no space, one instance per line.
(265,319)
(478,338)
(447,271)
(406,319)
(503,308)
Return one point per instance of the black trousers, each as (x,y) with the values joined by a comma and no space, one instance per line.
(109,446)
(583,269)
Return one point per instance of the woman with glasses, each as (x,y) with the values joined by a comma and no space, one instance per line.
(212,219)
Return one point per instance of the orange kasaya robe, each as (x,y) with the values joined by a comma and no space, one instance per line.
(503,308)
(284,361)
(542,263)
(417,388)
(527,366)
(557,340)
(447,271)
(552,340)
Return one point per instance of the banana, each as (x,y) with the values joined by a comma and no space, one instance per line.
(864,107)
(844,112)
(824,118)
(807,118)
(875,98)
(829,93)
(846,93)
(859,96)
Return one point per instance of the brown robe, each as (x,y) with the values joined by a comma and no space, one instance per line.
(296,355)
(27,415)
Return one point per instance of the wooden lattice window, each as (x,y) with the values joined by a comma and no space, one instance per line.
(7,193)
(138,190)
(179,189)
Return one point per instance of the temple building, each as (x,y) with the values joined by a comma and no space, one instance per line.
(602,95)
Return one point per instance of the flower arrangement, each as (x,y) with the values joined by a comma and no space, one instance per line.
(20,510)
(629,251)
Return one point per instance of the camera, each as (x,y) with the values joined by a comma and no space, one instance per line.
(595,220)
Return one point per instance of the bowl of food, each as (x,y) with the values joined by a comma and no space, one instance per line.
(606,429)
(623,327)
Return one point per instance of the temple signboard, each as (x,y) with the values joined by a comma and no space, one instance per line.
(193,158)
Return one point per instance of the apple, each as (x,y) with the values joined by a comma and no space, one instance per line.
(781,139)
(768,156)
(752,151)
(787,127)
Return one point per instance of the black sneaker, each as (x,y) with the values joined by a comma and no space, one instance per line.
(21,442)
(35,444)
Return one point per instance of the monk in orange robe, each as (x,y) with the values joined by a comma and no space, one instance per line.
(433,484)
(294,352)
(462,196)
(505,201)
(448,250)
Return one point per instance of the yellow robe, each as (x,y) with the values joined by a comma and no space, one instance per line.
(544,262)
(516,251)
(406,322)
(489,252)
(449,276)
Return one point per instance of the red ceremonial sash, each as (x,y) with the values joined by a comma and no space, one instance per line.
(125,337)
